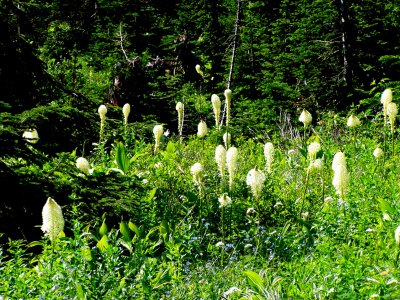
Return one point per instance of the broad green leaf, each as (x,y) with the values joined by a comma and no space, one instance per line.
(103,228)
(124,229)
(255,281)
(164,228)
(79,291)
(151,195)
(121,158)
(386,207)
(103,245)
(134,228)
(35,243)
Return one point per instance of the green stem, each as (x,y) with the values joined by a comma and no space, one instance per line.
(305,193)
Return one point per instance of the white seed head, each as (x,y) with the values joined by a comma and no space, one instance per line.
(378,153)
(313,149)
(102,112)
(202,129)
(158,131)
(269,152)
(224,201)
(227,139)
(179,107)
(397,235)
(216,104)
(31,136)
(220,158)
(341,179)
(197,171)
(386,97)
(353,121)
(305,118)
(231,163)
(83,165)
(255,180)
(338,159)
(126,110)
(53,220)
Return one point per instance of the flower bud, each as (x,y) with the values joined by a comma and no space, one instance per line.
(353,121)
(53,220)
(126,109)
(378,153)
(216,104)
(305,118)
(102,112)
(202,129)
(224,201)
(83,165)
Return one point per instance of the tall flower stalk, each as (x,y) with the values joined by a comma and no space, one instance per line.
(216,104)
(269,152)
(392,111)
(102,113)
(180,108)
(231,163)
(306,119)
(158,131)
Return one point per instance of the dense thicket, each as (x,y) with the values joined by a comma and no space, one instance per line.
(60,59)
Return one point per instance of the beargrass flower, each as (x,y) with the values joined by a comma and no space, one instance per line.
(305,118)
(231,163)
(220,158)
(83,165)
(378,153)
(53,220)
(228,100)
(392,111)
(197,171)
(227,139)
(126,110)
(158,131)
(313,149)
(255,180)
(338,159)
(216,104)
(353,121)
(202,129)
(198,70)
(386,98)
(102,112)
(317,165)
(341,179)
(31,136)
(397,235)
(269,152)
(224,200)
(180,108)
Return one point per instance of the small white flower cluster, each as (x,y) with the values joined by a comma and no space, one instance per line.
(341,177)
(313,149)
(353,121)
(231,163)
(158,131)
(224,201)
(216,104)
(305,118)
(53,220)
(269,152)
(220,158)
(202,129)
(255,180)
(197,171)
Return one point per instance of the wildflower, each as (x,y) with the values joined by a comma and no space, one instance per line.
(224,200)
(305,215)
(220,158)
(83,165)
(158,131)
(378,153)
(179,108)
(53,221)
(31,136)
(391,111)
(231,162)
(216,104)
(250,211)
(397,235)
(255,180)
(313,149)
(269,155)
(338,159)
(126,110)
(199,71)
(292,152)
(353,121)
(227,139)
(197,171)
(228,98)
(386,98)
(341,180)
(102,112)
(219,244)
(305,118)
(232,290)
(317,165)
(202,129)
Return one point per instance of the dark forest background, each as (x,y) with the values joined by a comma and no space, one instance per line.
(59,60)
